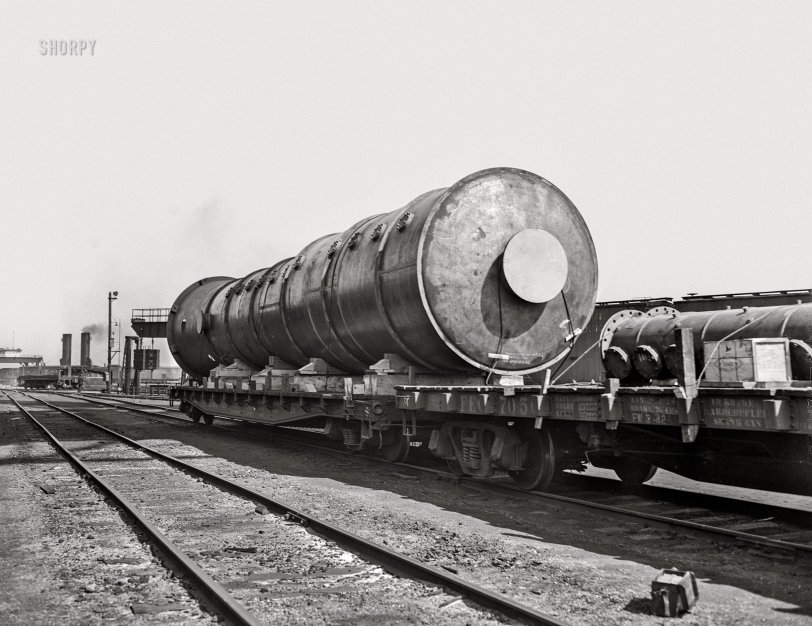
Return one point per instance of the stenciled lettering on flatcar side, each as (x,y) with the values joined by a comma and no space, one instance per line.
(746,408)
(648,418)
(739,423)
(563,409)
(588,410)
(472,403)
(403,402)
(515,406)
(644,410)
(740,413)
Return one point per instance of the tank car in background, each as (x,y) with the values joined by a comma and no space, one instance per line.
(439,325)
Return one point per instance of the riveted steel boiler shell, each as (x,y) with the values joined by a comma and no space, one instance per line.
(188,326)
(239,320)
(307,306)
(493,273)
(271,325)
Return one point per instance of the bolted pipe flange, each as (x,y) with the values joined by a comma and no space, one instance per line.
(612,324)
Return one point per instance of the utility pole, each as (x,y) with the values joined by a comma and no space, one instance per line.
(111,295)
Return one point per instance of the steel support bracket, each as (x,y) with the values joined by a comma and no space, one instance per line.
(688,415)
(542,405)
(777,415)
(488,403)
(418,400)
(688,388)
(610,407)
(451,400)
(689,432)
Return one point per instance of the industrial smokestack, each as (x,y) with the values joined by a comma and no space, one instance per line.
(67,352)
(67,349)
(84,359)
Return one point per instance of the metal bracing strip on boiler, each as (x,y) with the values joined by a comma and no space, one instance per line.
(343,251)
(379,255)
(283,299)
(330,271)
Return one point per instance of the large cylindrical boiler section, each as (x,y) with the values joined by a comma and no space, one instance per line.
(496,273)
(637,345)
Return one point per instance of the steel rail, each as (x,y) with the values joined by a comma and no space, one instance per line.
(490,487)
(500,489)
(660,519)
(126,401)
(213,593)
(366,548)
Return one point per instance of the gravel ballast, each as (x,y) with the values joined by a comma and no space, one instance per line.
(579,566)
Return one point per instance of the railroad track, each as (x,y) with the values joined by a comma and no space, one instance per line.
(761,525)
(100,458)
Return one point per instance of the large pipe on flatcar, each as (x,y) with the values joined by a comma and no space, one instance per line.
(495,273)
(642,345)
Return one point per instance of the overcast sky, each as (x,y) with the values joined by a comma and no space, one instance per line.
(215,138)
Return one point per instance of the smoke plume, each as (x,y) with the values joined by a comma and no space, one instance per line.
(96,330)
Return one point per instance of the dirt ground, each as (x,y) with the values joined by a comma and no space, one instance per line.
(581,567)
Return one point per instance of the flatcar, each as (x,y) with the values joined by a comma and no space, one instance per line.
(441,323)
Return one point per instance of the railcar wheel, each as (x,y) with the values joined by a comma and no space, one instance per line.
(194,413)
(540,469)
(396,446)
(633,471)
(208,419)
